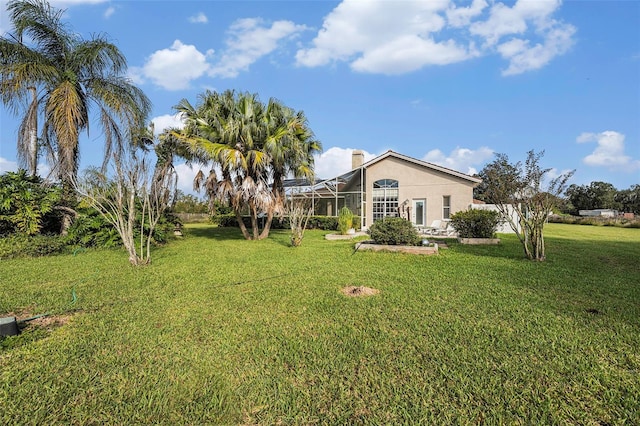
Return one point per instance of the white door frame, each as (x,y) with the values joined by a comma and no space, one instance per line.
(414,209)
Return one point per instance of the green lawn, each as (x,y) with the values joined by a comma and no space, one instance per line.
(219,330)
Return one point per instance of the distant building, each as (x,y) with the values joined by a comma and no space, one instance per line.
(598,213)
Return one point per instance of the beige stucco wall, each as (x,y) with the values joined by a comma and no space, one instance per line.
(419,182)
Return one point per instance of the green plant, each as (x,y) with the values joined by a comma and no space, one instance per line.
(26,203)
(394,231)
(31,246)
(345,220)
(476,223)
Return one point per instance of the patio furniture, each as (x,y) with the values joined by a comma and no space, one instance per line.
(435,227)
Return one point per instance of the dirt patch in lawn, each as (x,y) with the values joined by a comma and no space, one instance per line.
(352,291)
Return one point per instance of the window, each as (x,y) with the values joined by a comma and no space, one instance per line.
(446,207)
(385,198)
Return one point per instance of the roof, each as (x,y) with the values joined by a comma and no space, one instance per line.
(425,164)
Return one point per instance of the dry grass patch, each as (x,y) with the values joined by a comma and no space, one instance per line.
(353,291)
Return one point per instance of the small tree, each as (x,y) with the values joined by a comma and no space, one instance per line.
(520,186)
(133,199)
(345,220)
(299,214)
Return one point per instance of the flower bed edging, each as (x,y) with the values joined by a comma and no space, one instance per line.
(479,241)
(401,249)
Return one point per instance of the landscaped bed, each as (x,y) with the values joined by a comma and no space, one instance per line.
(219,330)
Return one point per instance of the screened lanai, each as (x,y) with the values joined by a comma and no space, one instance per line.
(328,196)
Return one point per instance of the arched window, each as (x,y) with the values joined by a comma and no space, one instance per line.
(385,198)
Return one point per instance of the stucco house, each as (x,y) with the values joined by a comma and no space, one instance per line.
(391,184)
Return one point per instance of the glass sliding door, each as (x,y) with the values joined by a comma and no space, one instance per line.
(418,212)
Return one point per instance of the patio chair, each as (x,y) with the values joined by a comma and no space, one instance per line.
(447,231)
(435,227)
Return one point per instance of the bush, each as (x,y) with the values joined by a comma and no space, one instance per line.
(394,231)
(31,246)
(26,204)
(325,223)
(596,221)
(476,223)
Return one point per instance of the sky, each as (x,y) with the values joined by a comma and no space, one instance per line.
(451,83)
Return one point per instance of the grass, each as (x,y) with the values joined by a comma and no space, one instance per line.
(219,330)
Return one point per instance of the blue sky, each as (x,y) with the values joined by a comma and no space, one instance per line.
(447,82)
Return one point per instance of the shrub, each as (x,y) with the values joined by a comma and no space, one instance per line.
(476,223)
(324,223)
(345,220)
(394,231)
(26,203)
(31,246)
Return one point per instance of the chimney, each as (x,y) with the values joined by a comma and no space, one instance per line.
(357,159)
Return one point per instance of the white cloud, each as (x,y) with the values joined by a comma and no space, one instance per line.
(336,161)
(461,16)
(524,58)
(461,159)
(357,30)
(610,151)
(11,166)
(409,53)
(399,37)
(173,68)
(200,18)
(167,121)
(186,174)
(250,40)
(110,11)
(7,165)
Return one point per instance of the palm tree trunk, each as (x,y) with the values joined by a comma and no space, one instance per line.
(243,228)
(33,133)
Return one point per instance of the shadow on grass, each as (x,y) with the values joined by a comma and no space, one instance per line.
(214,232)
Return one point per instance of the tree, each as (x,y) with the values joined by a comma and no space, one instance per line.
(133,200)
(254,148)
(629,199)
(596,195)
(520,186)
(71,75)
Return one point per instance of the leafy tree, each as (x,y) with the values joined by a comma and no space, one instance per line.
(596,195)
(629,199)
(71,75)
(520,185)
(25,201)
(187,203)
(254,146)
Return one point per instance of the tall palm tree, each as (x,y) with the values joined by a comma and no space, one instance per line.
(227,129)
(254,146)
(72,76)
(290,145)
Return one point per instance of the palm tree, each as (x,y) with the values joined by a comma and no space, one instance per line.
(72,75)
(227,129)
(291,145)
(254,146)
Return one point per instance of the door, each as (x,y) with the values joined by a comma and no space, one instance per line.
(418,210)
